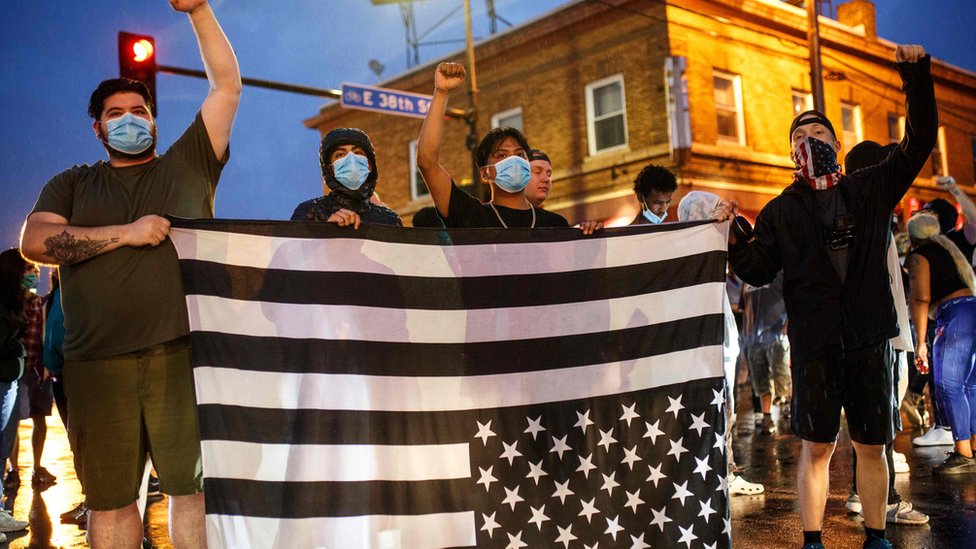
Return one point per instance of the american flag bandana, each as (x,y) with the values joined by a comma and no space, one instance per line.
(816,164)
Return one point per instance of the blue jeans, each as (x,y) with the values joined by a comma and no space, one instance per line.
(952,364)
(9,419)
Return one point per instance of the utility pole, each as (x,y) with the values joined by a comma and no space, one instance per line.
(813,41)
(472,118)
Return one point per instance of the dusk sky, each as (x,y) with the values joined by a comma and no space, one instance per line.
(53,54)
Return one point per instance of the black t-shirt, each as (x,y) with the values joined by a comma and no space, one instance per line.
(944,278)
(832,206)
(466,211)
(959,239)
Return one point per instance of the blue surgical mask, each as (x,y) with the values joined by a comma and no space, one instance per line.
(351,170)
(129,134)
(651,216)
(513,174)
(29,282)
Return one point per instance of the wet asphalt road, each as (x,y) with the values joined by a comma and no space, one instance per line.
(767,521)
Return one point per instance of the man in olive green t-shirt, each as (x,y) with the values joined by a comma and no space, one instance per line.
(127,374)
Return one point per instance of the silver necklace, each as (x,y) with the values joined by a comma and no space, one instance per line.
(502,221)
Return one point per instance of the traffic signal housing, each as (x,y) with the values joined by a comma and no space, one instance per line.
(137,60)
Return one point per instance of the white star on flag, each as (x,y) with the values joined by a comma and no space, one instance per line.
(687,536)
(653,431)
(681,492)
(719,441)
(660,517)
(565,535)
(675,406)
(706,509)
(629,413)
(589,509)
(656,474)
(490,525)
(613,527)
(638,542)
(562,490)
(515,542)
(676,449)
(535,472)
(538,516)
(512,497)
(560,446)
(484,432)
(712,545)
(609,483)
(583,420)
(718,399)
(723,485)
(510,452)
(486,478)
(703,467)
(631,457)
(633,500)
(586,464)
(606,439)
(698,423)
(535,426)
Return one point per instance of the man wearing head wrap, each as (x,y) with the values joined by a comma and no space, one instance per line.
(829,233)
(348,163)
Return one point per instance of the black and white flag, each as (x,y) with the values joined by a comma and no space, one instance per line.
(414,388)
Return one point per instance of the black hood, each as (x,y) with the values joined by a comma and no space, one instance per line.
(354,200)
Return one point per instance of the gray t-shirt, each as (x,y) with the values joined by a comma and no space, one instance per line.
(130,298)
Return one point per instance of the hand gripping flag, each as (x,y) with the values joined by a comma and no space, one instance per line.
(415,388)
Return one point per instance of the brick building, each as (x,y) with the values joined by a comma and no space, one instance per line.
(705,87)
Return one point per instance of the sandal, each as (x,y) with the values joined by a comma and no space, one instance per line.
(739,486)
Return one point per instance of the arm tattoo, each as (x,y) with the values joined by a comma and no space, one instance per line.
(65,249)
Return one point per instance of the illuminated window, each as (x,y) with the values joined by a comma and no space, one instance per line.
(418,187)
(939,161)
(851,124)
(728,108)
(896,127)
(802,102)
(606,115)
(511,118)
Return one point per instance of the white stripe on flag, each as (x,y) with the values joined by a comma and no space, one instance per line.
(368,256)
(377,532)
(233,387)
(350,322)
(335,463)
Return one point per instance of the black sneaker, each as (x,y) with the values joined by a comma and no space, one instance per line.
(955,464)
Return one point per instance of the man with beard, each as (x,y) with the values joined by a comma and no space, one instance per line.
(348,163)
(127,364)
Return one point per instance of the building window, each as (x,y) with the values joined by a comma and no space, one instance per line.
(851,124)
(606,115)
(896,127)
(418,187)
(512,118)
(728,108)
(939,161)
(802,102)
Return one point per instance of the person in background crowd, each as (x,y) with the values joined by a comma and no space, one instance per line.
(348,162)
(540,184)
(942,288)
(654,186)
(828,232)
(125,314)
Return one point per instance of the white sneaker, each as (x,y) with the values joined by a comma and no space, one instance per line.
(853,503)
(9,524)
(900,463)
(937,436)
(903,513)
(739,486)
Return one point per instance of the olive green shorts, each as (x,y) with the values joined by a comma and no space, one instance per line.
(121,407)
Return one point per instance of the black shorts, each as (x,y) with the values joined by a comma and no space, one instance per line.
(860,382)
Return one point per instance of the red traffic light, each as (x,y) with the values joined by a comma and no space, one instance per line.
(137,60)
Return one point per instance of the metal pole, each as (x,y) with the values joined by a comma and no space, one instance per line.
(813,40)
(281,86)
(472,114)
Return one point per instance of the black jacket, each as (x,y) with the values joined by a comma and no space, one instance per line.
(826,315)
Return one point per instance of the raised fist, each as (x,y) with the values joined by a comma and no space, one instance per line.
(909,53)
(448,76)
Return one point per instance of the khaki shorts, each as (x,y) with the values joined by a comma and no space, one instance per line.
(121,407)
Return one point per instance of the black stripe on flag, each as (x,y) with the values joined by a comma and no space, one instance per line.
(414,292)
(228,496)
(430,359)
